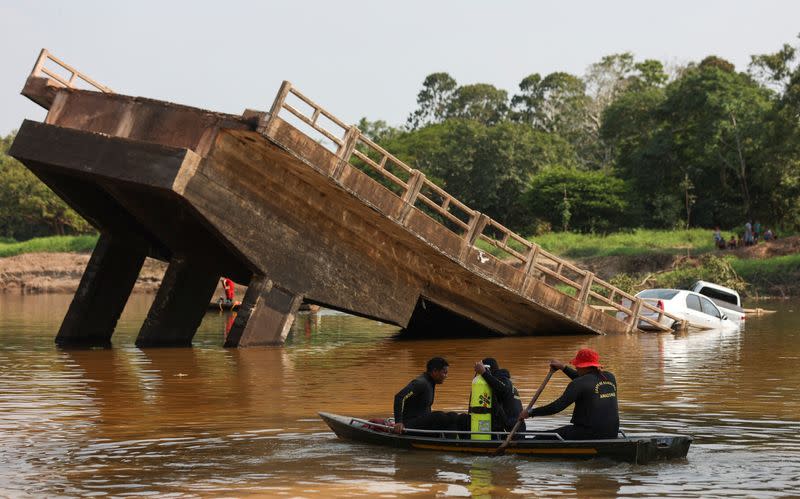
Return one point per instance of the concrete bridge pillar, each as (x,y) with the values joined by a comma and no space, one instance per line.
(265,316)
(104,289)
(180,304)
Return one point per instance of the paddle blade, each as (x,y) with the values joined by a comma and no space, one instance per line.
(500,450)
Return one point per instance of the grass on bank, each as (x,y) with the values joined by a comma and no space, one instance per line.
(775,276)
(635,242)
(52,244)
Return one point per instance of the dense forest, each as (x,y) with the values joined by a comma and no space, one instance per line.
(628,144)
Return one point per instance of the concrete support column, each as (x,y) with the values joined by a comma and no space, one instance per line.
(180,304)
(265,316)
(104,289)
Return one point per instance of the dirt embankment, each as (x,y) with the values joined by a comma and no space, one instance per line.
(608,266)
(61,273)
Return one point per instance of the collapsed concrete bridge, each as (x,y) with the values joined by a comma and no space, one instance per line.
(293,203)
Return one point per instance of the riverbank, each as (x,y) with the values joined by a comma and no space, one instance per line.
(60,272)
(644,258)
(631,261)
(766,270)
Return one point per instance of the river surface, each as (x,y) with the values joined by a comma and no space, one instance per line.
(206,421)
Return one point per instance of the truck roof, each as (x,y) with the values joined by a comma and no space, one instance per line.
(706,284)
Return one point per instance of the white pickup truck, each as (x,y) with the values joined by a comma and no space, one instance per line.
(726,299)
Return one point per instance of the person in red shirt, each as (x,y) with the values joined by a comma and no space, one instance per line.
(228,287)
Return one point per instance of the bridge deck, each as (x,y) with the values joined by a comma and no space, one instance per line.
(295,209)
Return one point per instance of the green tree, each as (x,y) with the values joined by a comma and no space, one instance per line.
(608,80)
(707,130)
(633,129)
(713,61)
(556,103)
(566,214)
(780,175)
(605,80)
(586,200)
(28,208)
(433,101)
(649,74)
(377,131)
(480,102)
(485,166)
(717,120)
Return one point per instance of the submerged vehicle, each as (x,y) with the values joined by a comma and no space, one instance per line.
(638,449)
(727,299)
(696,309)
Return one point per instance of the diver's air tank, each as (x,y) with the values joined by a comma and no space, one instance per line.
(480,409)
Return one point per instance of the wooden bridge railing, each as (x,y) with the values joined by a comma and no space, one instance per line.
(354,148)
(71,81)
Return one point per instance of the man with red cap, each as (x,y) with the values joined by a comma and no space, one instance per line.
(594,393)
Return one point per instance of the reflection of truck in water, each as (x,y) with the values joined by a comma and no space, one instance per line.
(726,299)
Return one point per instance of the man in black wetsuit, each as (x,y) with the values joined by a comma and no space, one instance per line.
(412,404)
(594,393)
(506,404)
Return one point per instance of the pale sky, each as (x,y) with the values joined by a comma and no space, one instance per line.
(360,58)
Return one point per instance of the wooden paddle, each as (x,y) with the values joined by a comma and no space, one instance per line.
(503,446)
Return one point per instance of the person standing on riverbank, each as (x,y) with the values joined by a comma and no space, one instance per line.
(748,233)
(228,287)
(719,241)
(594,393)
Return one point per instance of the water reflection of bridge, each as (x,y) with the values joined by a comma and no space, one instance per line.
(295,204)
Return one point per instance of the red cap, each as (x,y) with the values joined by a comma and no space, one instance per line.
(586,357)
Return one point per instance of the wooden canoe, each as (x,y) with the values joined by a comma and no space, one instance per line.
(638,449)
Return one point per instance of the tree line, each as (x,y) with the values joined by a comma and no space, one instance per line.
(628,144)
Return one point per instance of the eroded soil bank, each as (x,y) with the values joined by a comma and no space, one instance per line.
(33,273)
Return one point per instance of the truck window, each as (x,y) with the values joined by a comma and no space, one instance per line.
(693,302)
(709,308)
(719,295)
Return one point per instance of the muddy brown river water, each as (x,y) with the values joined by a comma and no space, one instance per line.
(206,421)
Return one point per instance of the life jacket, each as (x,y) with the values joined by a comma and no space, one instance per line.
(480,409)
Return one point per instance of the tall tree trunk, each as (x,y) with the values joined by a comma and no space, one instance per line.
(742,166)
